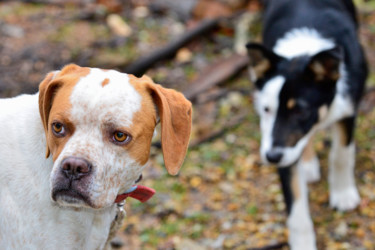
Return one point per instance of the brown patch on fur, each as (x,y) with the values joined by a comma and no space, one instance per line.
(54,104)
(176,118)
(342,133)
(323,111)
(105,82)
(291,103)
(143,125)
(261,68)
(295,184)
(318,70)
(293,138)
(309,152)
(321,72)
(259,64)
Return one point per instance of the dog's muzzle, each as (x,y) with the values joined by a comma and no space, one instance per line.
(72,181)
(274,155)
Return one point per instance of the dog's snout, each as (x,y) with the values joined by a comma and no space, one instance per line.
(75,168)
(274,156)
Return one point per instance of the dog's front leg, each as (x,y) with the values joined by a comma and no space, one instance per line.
(343,191)
(301,229)
(310,163)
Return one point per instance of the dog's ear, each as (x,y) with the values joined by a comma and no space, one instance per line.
(261,60)
(325,66)
(175,113)
(47,89)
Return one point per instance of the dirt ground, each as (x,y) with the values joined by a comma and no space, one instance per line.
(223,198)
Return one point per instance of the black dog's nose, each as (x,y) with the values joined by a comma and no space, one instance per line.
(75,168)
(274,156)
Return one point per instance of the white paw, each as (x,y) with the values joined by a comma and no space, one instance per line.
(311,169)
(302,240)
(344,200)
(301,228)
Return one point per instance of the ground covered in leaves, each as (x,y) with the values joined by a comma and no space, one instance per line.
(223,198)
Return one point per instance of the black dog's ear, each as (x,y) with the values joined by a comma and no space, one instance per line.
(261,60)
(325,66)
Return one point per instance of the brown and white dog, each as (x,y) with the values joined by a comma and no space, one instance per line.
(69,151)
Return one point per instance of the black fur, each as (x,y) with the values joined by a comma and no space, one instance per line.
(285,175)
(334,19)
(310,81)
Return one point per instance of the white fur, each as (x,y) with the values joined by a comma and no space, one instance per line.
(343,192)
(302,41)
(112,105)
(28,216)
(268,98)
(301,230)
(307,41)
(292,154)
(311,169)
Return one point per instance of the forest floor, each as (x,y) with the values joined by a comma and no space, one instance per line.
(223,198)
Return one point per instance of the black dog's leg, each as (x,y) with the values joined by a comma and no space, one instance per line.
(343,191)
(285,178)
(294,185)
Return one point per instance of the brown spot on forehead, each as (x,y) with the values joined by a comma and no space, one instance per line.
(144,121)
(66,80)
(291,103)
(105,82)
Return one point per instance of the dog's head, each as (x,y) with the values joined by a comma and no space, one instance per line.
(99,125)
(292,96)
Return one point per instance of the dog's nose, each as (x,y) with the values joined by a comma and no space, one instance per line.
(274,156)
(75,168)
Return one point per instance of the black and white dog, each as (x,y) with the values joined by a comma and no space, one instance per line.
(309,74)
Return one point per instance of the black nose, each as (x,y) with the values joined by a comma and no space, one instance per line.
(274,156)
(75,168)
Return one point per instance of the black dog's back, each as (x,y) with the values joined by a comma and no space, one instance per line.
(282,16)
(344,5)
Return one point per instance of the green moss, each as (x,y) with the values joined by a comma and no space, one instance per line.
(252,209)
(20,10)
(198,217)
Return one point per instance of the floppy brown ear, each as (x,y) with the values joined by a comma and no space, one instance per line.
(175,113)
(47,89)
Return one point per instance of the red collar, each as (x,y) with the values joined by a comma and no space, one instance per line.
(138,192)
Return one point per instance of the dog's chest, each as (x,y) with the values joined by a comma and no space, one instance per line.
(56,227)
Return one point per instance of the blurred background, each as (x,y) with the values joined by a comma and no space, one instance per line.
(223,198)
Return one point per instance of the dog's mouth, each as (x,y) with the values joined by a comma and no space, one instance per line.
(70,196)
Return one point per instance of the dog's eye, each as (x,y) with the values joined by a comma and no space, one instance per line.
(121,137)
(266,109)
(58,128)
